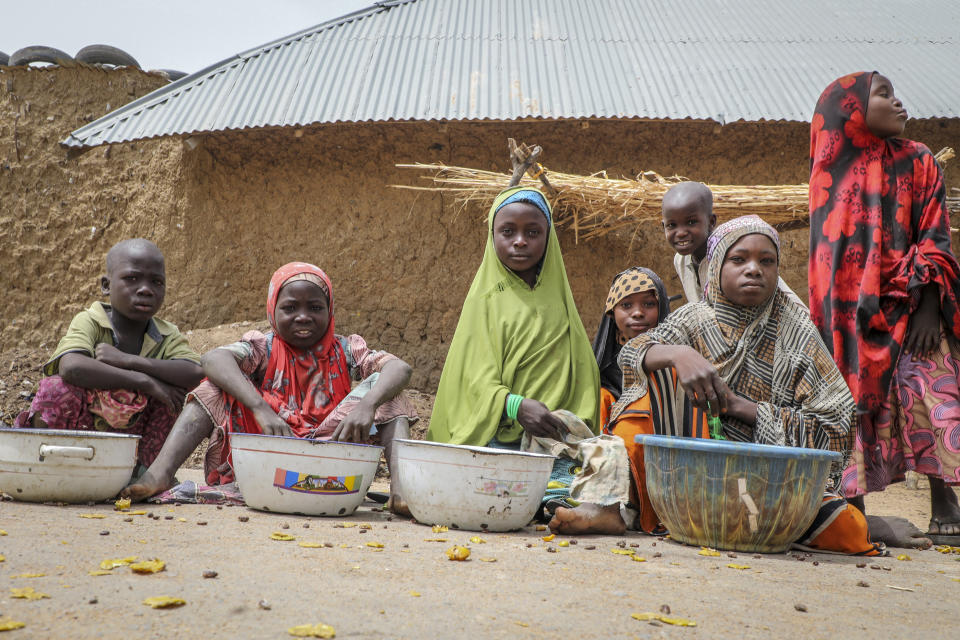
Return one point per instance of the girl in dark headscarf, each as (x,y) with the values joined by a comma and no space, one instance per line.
(884,292)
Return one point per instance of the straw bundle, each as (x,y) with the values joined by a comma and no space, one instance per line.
(596,205)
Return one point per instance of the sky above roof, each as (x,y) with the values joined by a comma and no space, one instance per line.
(186,35)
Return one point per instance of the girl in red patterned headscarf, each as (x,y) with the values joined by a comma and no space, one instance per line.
(294,381)
(885,291)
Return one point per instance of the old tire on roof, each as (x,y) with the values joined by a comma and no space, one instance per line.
(172,74)
(105,54)
(4,59)
(39,53)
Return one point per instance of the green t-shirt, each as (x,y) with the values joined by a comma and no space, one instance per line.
(162,340)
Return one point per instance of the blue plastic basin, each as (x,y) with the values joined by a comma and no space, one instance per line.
(734,495)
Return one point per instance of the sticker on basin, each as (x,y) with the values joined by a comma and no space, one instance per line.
(502,488)
(311,483)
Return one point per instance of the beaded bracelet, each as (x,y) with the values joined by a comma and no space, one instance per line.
(513,405)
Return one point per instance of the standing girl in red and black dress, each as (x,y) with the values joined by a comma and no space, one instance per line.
(884,292)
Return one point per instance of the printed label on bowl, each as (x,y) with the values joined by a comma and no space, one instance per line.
(312,483)
(502,488)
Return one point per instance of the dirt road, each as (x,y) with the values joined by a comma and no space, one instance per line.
(409,589)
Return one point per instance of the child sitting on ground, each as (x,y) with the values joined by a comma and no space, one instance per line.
(294,381)
(688,219)
(119,368)
(637,302)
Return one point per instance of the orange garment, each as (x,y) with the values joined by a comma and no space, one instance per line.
(638,418)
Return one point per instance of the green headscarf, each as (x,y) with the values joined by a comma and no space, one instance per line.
(514,339)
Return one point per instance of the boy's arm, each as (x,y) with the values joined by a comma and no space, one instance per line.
(78,368)
(179,373)
(222,369)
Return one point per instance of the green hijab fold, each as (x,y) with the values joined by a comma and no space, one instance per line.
(514,339)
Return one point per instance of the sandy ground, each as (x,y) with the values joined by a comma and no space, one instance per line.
(409,589)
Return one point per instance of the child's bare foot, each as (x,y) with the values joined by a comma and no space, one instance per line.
(897,532)
(588,518)
(145,487)
(945,513)
(398,506)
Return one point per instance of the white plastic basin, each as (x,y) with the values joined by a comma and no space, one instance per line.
(55,465)
(474,488)
(301,476)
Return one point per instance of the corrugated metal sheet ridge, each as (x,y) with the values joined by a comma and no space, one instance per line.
(513,59)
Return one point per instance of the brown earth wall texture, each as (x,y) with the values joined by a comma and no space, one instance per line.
(242,203)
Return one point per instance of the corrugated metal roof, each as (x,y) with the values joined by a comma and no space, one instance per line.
(722,60)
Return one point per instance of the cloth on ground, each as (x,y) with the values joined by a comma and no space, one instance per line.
(189,492)
(514,339)
(880,232)
(61,405)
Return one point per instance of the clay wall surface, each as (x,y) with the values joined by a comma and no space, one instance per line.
(58,217)
(229,212)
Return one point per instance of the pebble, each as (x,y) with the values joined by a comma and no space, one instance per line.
(363,530)
(658,555)
(863,583)
(104,533)
(202,523)
(306,525)
(551,550)
(263,604)
(573,542)
(731,555)
(875,566)
(92,601)
(406,546)
(622,544)
(589,547)
(529,545)
(209,574)
(800,607)
(284,526)
(861,565)
(219,506)
(757,556)
(330,544)
(665,609)
(654,544)
(816,564)
(150,514)
(634,545)
(168,517)
(243,518)
(128,519)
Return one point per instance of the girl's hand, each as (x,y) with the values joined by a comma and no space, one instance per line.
(923,332)
(271,423)
(701,381)
(355,426)
(536,420)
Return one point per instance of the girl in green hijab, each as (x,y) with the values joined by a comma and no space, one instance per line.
(520,350)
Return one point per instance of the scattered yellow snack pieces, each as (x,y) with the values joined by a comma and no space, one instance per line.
(2,558)
(563,543)
(622,552)
(541,527)
(435,539)
(522,624)
(148,566)
(310,545)
(181,519)
(903,556)
(136,513)
(10,625)
(707,551)
(119,562)
(99,572)
(26,593)
(375,545)
(739,566)
(637,558)
(945,548)
(458,553)
(680,622)
(415,594)
(477,540)
(164,602)
(122,504)
(439,528)
(549,537)
(344,525)
(276,535)
(93,516)
(312,631)
(2,532)
(29,575)
(488,559)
